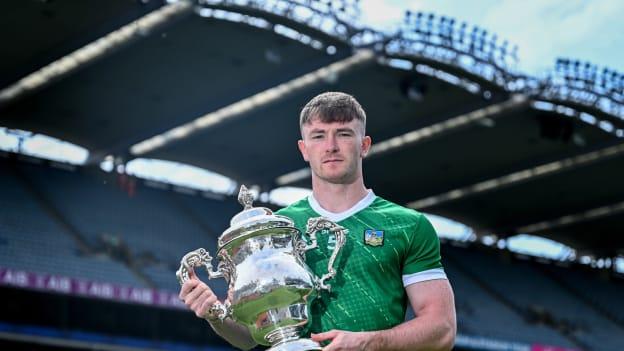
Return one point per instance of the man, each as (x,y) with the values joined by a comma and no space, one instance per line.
(391,254)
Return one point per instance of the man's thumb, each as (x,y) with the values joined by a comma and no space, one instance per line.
(324,336)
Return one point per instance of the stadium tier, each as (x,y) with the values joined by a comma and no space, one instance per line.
(537,297)
(83,225)
(482,313)
(32,239)
(597,290)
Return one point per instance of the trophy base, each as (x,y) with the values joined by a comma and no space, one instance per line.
(297,345)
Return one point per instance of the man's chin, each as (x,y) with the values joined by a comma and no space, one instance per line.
(338,179)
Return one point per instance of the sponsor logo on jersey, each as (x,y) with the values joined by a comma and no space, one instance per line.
(373,237)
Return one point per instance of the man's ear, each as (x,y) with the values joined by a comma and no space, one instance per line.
(366,145)
(302,149)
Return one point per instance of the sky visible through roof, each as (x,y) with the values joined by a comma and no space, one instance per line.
(542,30)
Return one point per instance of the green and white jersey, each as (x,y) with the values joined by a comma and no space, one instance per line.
(388,247)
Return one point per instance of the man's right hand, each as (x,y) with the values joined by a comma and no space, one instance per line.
(196,295)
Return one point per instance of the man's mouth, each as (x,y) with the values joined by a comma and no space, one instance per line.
(332,160)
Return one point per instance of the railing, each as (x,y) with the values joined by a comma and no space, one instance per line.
(336,18)
(585,84)
(445,40)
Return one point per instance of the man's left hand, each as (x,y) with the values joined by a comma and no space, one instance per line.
(341,340)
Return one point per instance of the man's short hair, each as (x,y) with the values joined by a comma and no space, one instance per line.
(331,107)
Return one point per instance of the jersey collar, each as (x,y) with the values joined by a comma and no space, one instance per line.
(337,217)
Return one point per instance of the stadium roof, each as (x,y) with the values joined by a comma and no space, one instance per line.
(456,131)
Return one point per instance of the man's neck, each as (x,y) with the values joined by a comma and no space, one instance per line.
(338,198)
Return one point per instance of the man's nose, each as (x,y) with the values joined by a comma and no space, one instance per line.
(331,144)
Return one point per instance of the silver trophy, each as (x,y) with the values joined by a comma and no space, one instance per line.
(262,257)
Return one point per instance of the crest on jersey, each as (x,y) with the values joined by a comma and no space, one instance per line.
(373,237)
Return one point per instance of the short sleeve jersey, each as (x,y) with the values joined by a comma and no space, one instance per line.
(388,247)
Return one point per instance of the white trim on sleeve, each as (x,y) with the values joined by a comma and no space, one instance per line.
(430,274)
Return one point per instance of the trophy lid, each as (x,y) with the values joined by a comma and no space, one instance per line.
(251,219)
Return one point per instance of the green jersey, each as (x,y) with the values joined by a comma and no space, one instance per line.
(388,247)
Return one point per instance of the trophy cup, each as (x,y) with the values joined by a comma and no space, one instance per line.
(262,257)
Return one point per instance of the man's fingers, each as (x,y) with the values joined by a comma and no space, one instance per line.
(187,287)
(194,294)
(206,304)
(333,336)
(325,336)
(196,304)
(192,274)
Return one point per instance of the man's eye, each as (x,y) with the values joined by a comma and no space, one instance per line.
(318,136)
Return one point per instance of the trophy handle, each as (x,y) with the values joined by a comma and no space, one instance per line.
(199,258)
(320,223)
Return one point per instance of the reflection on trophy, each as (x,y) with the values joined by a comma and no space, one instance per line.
(262,256)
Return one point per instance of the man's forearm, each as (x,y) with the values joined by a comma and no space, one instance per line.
(433,328)
(410,336)
(234,333)
(416,334)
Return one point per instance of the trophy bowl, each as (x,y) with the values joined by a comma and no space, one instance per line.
(262,257)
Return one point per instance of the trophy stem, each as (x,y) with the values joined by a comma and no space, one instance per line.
(287,339)
(283,334)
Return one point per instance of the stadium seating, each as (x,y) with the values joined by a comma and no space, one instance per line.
(541,298)
(150,229)
(32,240)
(145,222)
(481,313)
(600,291)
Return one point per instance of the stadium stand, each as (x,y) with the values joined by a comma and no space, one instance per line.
(144,222)
(600,290)
(540,299)
(32,239)
(480,312)
(149,230)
